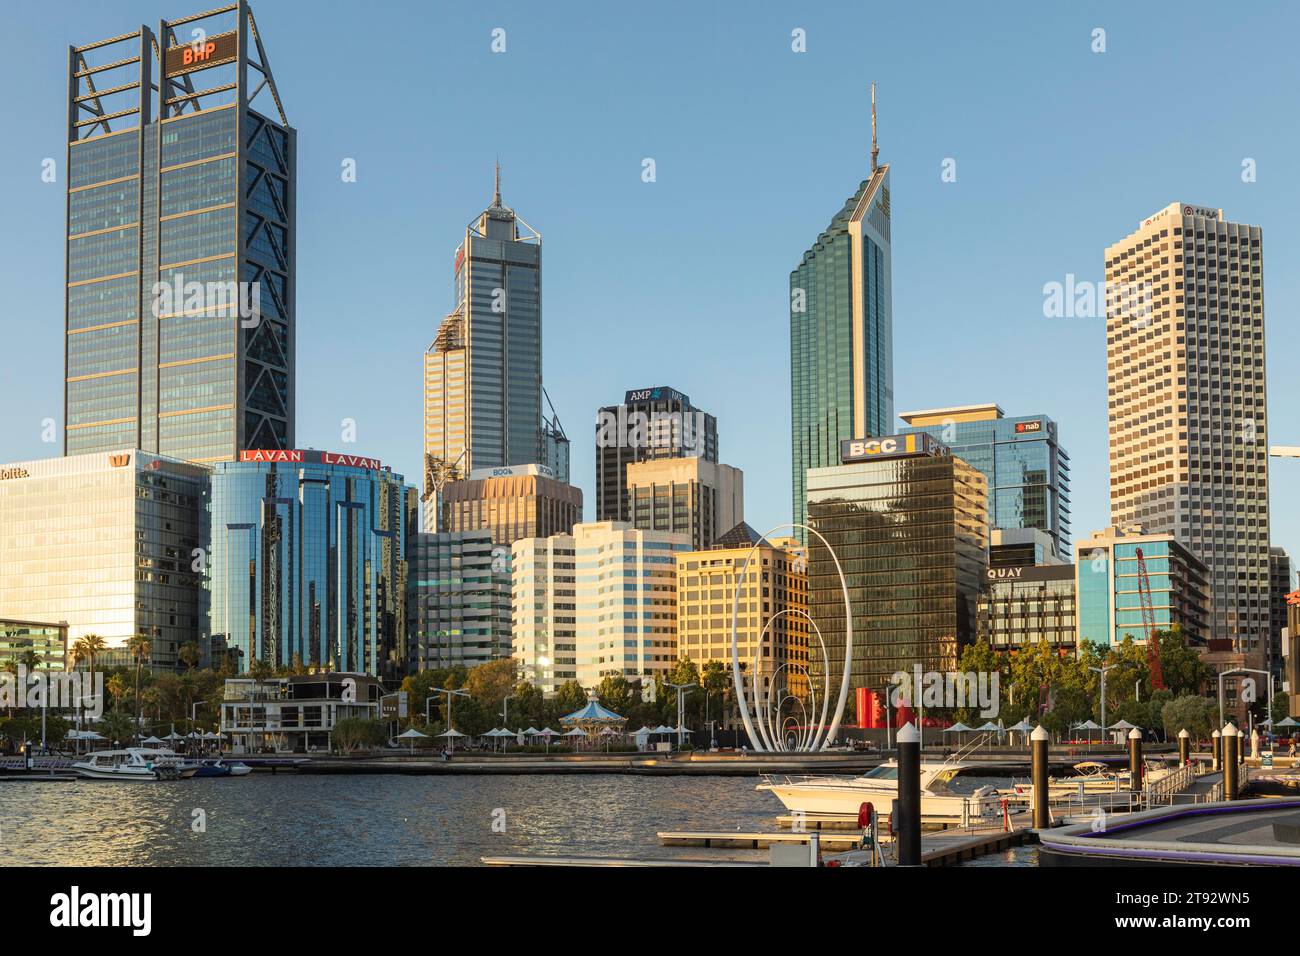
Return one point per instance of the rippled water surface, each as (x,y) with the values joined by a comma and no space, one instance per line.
(301,819)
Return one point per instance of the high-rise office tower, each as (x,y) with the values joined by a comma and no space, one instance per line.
(1022,457)
(180,243)
(692,496)
(1281,575)
(651,424)
(1188,416)
(841,318)
(483,398)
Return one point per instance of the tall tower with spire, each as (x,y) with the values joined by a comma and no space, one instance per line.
(841,331)
(483,371)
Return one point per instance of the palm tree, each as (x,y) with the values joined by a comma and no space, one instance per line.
(11,667)
(190,654)
(87,648)
(30,659)
(117,689)
(140,647)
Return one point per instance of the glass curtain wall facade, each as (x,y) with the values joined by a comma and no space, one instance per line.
(910,534)
(459,599)
(180,243)
(1110,604)
(308,563)
(49,642)
(107,542)
(841,336)
(1022,458)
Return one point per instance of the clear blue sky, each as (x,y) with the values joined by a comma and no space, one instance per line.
(684,282)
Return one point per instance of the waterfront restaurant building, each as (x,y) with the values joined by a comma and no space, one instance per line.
(111,543)
(308,560)
(296,713)
(909,523)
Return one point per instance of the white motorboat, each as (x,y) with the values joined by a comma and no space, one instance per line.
(879,786)
(135,763)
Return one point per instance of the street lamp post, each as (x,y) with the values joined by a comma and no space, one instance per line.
(680,688)
(1102,671)
(1246,670)
(451,741)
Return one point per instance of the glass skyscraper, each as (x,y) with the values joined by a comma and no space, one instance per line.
(308,561)
(909,524)
(180,243)
(483,372)
(841,351)
(1027,469)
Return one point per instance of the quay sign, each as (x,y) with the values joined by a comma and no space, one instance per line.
(894,446)
(309,456)
(202,53)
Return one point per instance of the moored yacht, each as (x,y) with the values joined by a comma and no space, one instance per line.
(844,795)
(134,763)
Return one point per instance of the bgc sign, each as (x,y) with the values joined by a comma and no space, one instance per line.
(893,446)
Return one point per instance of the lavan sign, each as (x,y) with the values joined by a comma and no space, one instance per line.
(309,456)
(893,446)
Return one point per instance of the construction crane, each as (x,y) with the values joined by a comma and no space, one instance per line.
(1149,624)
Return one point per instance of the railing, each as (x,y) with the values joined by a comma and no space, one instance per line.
(1172,783)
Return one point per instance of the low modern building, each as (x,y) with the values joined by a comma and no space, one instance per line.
(295,713)
(1027,469)
(49,642)
(909,524)
(772,630)
(543,611)
(626,601)
(459,600)
(1023,606)
(513,502)
(1109,600)
(112,543)
(308,561)
(692,496)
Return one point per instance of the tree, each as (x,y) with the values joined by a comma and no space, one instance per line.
(1281,706)
(492,682)
(352,733)
(117,688)
(87,648)
(570,697)
(1197,715)
(140,647)
(190,654)
(115,725)
(615,693)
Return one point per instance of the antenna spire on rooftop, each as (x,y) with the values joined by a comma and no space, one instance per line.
(875,150)
(496,192)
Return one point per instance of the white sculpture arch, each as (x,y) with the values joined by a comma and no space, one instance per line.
(760,737)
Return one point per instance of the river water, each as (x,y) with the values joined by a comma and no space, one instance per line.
(335,820)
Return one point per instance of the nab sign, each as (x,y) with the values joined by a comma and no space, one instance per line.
(893,446)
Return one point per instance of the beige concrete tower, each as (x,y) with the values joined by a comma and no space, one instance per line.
(1187,404)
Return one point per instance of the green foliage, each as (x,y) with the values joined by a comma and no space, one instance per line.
(1199,716)
(354,733)
(1280,707)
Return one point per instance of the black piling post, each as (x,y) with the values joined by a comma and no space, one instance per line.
(908,825)
(1038,776)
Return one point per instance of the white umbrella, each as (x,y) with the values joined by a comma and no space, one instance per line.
(411,735)
(575,732)
(150,741)
(531,732)
(174,736)
(453,732)
(957,728)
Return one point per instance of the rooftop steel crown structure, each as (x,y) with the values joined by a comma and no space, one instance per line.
(180,242)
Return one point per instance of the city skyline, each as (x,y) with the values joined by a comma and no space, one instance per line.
(743,287)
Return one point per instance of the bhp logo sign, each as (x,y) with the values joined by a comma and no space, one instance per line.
(198,53)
